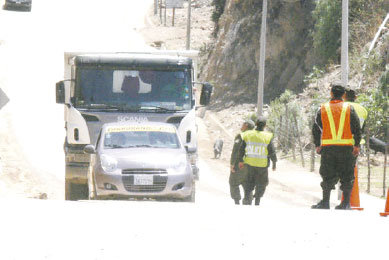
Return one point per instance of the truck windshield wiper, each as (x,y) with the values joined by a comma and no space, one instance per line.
(101,106)
(115,107)
(143,145)
(158,108)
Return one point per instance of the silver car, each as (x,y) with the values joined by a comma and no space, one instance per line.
(140,160)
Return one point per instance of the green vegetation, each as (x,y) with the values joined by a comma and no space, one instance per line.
(364,15)
(376,101)
(217,12)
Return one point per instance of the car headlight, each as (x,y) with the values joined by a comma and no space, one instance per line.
(108,163)
(180,164)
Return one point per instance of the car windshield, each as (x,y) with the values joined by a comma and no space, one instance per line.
(141,137)
(133,89)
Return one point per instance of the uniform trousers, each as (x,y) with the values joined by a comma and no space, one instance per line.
(337,163)
(236,179)
(257,177)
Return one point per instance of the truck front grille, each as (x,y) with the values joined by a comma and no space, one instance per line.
(159,180)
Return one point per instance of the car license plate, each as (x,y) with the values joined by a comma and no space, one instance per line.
(143,179)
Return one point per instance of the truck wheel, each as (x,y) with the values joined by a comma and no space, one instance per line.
(75,191)
(68,191)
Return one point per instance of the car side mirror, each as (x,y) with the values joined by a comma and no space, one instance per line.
(205,96)
(90,149)
(60,92)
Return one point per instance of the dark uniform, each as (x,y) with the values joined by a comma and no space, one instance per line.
(256,152)
(336,158)
(238,176)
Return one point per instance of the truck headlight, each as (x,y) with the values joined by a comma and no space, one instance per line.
(108,163)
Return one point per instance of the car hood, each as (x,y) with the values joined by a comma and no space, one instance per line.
(153,158)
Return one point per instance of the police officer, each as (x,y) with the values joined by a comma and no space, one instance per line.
(337,135)
(238,176)
(256,152)
(362,113)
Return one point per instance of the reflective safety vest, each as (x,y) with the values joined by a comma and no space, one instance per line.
(335,117)
(362,115)
(256,147)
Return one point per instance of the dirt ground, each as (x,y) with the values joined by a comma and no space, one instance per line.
(162,34)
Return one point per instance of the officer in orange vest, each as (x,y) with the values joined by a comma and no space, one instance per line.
(255,152)
(337,134)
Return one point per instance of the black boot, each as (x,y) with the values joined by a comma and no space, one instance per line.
(325,202)
(345,204)
(257,201)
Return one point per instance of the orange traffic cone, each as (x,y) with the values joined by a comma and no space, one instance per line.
(386,213)
(354,198)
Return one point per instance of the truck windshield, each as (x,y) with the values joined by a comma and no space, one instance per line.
(141,139)
(129,89)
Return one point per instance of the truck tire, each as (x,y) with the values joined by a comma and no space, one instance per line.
(75,191)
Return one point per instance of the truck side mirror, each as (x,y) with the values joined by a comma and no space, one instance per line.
(205,96)
(60,92)
(190,149)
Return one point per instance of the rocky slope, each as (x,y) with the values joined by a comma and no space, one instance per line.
(232,63)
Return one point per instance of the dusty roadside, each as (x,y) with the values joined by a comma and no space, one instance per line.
(18,178)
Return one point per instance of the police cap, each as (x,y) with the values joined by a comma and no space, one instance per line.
(337,89)
(261,121)
(250,124)
(350,94)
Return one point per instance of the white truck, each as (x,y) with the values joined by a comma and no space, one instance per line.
(99,88)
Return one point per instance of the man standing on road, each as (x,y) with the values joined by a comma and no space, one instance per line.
(255,153)
(238,176)
(337,135)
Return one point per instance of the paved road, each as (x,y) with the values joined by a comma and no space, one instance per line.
(31,61)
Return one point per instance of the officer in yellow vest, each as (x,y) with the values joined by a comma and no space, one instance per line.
(337,134)
(362,113)
(256,152)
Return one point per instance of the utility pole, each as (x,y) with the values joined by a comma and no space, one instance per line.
(188,25)
(155,7)
(262,56)
(344,54)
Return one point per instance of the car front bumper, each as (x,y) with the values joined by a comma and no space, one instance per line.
(166,184)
